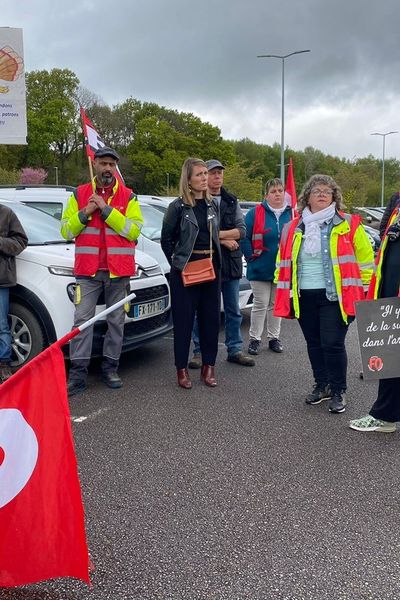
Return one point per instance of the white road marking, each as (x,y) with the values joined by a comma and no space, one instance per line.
(92,415)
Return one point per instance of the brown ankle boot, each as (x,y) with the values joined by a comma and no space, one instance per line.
(208,375)
(183,378)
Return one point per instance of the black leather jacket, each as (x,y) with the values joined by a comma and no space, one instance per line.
(179,232)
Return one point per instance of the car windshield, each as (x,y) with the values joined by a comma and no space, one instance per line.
(40,227)
(152,222)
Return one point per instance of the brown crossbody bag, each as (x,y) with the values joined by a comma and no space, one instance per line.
(199,271)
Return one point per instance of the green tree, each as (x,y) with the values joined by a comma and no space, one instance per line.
(53,125)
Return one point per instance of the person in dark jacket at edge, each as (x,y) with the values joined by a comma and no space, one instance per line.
(13,240)
(392,204)
(385,283)
(232,229)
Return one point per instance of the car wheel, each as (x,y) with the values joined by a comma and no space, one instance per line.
(27,337)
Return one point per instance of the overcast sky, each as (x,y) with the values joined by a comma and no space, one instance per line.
(200,57)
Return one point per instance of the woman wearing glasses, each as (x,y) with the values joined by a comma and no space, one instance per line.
(325,259)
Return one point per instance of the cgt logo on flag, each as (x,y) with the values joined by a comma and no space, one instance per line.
(41,512)
(18,453)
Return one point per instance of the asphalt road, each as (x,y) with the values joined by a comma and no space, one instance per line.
(237,492)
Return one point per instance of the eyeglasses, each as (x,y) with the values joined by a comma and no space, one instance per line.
(319,192)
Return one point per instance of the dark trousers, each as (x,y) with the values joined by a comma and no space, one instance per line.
(205,299)
(387,405)
(325,332)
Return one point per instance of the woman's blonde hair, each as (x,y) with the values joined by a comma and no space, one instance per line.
(314,181)
(185,190)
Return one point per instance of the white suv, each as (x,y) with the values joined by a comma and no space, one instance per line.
(41,305)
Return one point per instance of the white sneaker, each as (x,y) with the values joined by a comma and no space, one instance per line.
(369,423)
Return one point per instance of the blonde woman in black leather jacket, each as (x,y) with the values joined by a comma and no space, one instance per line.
(185,237)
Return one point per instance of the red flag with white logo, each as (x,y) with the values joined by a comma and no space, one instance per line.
(93,141)
(42,532)
(290,190)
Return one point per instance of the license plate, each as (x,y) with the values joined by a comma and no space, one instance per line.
(148,309)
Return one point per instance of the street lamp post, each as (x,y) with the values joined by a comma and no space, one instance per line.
(383,135)
(283,103)
(167,174)
(56,170)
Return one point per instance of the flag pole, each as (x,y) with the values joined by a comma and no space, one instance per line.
(105,312)
(71,334)
(85,136)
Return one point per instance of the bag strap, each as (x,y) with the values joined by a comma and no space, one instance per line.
(210,228)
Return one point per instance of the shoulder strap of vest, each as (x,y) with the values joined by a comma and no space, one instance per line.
(288,229)
(353,221)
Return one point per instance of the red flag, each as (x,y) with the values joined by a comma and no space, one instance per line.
(93,141)
(290,189)
(41,512)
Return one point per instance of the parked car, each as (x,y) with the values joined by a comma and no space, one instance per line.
(371,216)
(374,237)
(41,305)
(245,293)
(48,198)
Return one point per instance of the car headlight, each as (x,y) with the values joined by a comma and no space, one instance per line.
(63,271)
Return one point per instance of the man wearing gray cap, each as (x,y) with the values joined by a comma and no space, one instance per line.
(105,219)
(232,229)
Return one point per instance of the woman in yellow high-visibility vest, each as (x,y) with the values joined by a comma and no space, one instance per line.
(325,259)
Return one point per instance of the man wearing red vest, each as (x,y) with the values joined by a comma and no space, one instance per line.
(105,219)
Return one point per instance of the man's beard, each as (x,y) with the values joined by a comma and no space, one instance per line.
(106,178)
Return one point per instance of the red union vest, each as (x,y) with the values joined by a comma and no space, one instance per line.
(349,288)
(120,251)
(257,238)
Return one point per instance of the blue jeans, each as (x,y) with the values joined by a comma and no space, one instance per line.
(233,319)
(5,334)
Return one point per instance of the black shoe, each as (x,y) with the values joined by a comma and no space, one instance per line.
(337,403)
(254,347)
(275,345)
(241,358)
(195,362)
(75,386)
(319,393)
(112,379)
(5,371)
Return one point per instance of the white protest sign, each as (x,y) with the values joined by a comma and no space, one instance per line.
(13,129)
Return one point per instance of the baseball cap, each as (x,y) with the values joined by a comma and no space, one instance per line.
(214,164)
(106,151)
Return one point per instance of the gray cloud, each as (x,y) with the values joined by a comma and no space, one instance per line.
(202,58)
